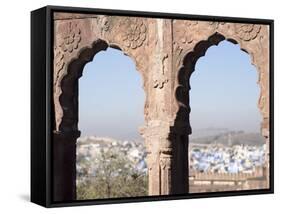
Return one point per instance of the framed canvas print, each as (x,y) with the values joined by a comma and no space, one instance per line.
(140,106)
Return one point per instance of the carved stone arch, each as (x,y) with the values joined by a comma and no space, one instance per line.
(186,55)
(187,67)
(76,42)
(69,86)
(73,49)
(185,71)
(69,83)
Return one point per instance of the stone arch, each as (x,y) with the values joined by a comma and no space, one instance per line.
(188,61)
(197,38)
(66,118)
(185,71)
(76,43)
(69,83)
(77,38)
(69,87)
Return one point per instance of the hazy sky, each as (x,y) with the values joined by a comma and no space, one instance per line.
(224,93)
(224,90)
(111,98)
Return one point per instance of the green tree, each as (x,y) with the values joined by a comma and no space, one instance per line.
(114,175)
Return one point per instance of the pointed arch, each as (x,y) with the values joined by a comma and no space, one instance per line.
(185,71)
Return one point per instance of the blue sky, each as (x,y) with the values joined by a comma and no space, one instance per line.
(224,90)
(224,93)
(111,98)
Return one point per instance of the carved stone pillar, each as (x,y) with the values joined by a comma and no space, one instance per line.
(167,150)
(167,159)
(64,165)
(159,156)
(165,170)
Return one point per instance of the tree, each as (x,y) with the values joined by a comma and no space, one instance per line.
(113,175)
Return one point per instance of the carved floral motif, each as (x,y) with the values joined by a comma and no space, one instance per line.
(58,62)
(135,33)
(70,38)
(67,41)
(59,56)
(247,32)
(186,34)
(104,23)
(190,29)
(216,25)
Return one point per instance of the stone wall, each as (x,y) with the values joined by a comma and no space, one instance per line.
(217,182)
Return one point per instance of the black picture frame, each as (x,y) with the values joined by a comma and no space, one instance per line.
(42,109)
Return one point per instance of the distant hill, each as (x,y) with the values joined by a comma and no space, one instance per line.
(224,136)
(199,133)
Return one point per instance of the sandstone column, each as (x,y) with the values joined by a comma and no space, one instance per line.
(167,150)
(64,165)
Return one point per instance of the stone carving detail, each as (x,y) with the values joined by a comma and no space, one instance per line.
(70,37)
(58,63)
(104,23)
(135,33)
(247,32)
(160,82)
(187,34)
(165,162)
(165,165)
(161,78)
(67,41)
(216,25)
(177,49)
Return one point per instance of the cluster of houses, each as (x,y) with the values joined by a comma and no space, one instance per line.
(212,166)
(221,158)
(213,157)
(89,149)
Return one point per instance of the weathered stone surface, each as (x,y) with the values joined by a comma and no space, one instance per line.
(165,52)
